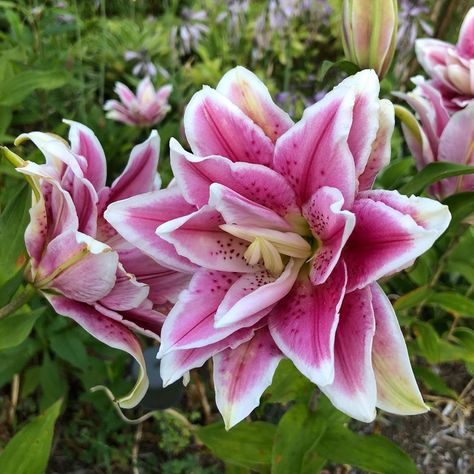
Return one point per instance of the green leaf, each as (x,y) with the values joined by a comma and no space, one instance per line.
(461,205)
(52,381)
(28,451)
(31,380)
(13,222)
(432,173)
(394,172)
(299,429)
(15,359)
(428,341)
(15,328)
(413,298)
(465,336)
(289,384)
(15,89)
(69,347)
(247,444)
(373,453)
(433,382)
(453,302)
(10,287)
(463,268)
(342,64)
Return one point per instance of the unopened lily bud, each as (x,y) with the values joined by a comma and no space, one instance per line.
(369,31)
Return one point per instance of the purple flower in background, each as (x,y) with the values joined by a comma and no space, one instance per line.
(145,108)
(185,36)
(411,19)
(279,16)
(234,14)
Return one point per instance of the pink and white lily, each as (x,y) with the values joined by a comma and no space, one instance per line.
(144,109)
(451,67)
(287,240)
(439,135)
(81,265)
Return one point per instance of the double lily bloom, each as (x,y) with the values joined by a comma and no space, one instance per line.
(144,109)
(79,263)
(285,239)
(451,67)
(439,135)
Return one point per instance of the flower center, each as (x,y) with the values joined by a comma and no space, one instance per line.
(272,247)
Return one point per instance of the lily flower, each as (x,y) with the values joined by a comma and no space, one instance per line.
(288,240)
(439,135)
(451,67)
(145,109)
(78,262)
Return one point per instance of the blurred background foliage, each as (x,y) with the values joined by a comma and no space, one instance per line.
(60,60)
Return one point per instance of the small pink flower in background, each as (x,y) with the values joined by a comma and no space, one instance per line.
(80,264)
(287,240)
(440,135)
(451,67)
(145,109)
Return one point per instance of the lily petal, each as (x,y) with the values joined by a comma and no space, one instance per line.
(199,238)
(75,257)
(304,324)
(354,388)
(381,147)
(331,226)
(237,209)
(397,391)
(85,143)
(190,323)
(255,294)
(365,86)
(391,231)
(109,332)
(241,375)
(215,126)
(260,184)
(177,363)
(251,95)
(140,173)
(314,152)
(137,218)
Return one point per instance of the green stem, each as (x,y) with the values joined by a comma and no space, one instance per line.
(18,301)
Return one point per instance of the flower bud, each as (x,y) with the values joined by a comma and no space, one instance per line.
(369,31)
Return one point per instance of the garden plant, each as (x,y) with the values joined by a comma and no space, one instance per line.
(236,236)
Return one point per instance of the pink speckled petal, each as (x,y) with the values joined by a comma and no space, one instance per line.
(331,226)
(199,238)
(354,388)
(391,231)
(216,126)
(241,375)
(304,325)
(258,183)
(314,152)
(251,95)
(137,218)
